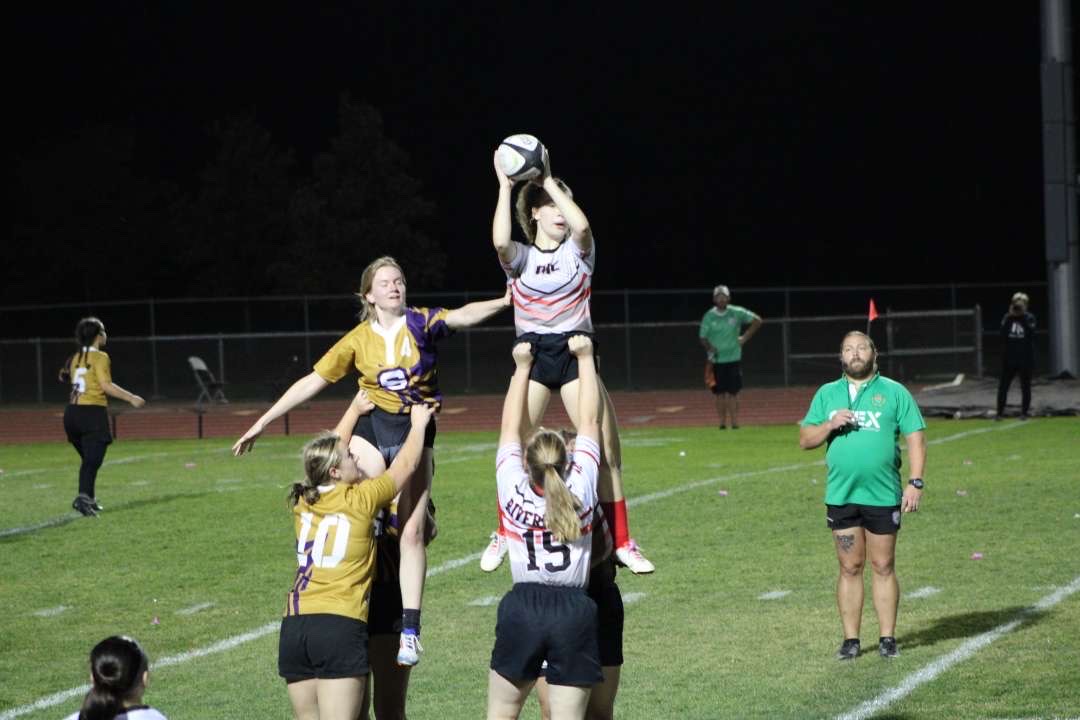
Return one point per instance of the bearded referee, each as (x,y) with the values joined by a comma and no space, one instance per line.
(860,417)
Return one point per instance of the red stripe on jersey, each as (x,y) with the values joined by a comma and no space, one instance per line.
(539,299)
(577,307)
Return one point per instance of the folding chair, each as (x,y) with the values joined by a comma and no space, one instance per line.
(210,389)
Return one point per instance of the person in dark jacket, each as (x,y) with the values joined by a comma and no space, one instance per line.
(1018,354)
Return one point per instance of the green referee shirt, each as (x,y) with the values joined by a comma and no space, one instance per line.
(864,462)
(722,330)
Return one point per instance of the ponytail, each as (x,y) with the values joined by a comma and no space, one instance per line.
(547,462)
(86,331)
(320,456)
(117,666)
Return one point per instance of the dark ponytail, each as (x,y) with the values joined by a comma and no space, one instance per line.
(117,665)
(86,331)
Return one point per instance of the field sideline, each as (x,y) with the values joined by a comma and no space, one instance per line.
(739,620)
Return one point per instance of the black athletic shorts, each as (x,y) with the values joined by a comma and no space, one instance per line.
(547,622)
(553,365)
(873,518)
(728,378)
(609,612)
(322,646)
(388,431)
(87,422)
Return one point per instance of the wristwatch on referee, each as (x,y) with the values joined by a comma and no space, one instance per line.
(916,483)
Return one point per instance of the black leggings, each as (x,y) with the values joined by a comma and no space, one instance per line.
(1008,372)
(92,451)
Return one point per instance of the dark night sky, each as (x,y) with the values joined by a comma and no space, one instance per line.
(778,143)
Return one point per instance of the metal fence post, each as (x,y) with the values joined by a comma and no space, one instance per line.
(468,352)
(785,339)
(221,358)
(978,342)
(40,374)
(889,338)
(626,335)
(153,350)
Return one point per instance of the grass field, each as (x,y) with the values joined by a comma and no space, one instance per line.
(202,542)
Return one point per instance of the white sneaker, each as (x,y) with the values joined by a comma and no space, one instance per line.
(494,553)
(630,556)
(409,650)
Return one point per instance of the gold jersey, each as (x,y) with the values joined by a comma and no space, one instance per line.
(89,372)
(398,365)
(335,548)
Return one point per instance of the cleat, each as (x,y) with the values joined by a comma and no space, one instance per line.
(887,647)
(849,650)
(84,506)
(630,556)
(94,504)
(409,650)
(494,553)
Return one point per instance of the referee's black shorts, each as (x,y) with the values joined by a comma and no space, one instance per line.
(547,622)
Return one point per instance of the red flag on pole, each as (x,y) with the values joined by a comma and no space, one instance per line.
(873,312)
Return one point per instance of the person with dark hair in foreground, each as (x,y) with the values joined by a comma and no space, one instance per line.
(119,672)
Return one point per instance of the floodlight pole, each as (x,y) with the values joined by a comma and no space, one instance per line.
(1060,188)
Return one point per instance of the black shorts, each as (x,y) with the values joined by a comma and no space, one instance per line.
(322,646)
(547,622)
(553,365)
(609,613)
(388,431)
(728,378)
(880,520)
(87,422)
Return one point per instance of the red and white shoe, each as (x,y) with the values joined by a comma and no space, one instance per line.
(629,555)
(494,553)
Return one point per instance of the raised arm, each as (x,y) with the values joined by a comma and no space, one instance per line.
(477,312)
(301,391)
(502,223)
(513,412)
(580,232)
(360,405)
(588,387)
(408,458)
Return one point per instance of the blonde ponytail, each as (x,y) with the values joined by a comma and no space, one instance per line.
(547,462)
(320,456)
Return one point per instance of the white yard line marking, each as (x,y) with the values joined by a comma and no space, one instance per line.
(51,612)
(968,648)
(116,461)
(228,644)
(632,597)
(922,592)
(195,608)
(774,595)
(484,601)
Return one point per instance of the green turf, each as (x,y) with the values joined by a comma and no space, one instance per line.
(185,523)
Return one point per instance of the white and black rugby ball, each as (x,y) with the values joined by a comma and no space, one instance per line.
(521,157)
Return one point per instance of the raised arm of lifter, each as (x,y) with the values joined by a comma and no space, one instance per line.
(408,458)
(514,410)
(588,387)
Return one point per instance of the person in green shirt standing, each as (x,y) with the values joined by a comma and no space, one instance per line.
(860,416)
(722,335)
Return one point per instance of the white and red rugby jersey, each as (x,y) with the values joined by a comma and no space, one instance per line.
(551,288)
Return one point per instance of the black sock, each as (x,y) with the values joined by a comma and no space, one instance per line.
(410,621)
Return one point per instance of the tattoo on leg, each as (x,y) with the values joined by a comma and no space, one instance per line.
(845,542)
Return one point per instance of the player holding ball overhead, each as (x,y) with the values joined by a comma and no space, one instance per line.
(551,284)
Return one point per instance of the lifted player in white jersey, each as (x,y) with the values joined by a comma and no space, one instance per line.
(548,500)
(551,285)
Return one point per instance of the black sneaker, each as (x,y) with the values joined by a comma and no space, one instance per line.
(849,650)
(84,506)
(887,647)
